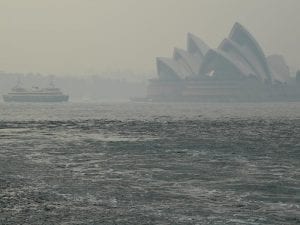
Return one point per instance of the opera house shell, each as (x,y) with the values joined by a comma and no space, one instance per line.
(237,70)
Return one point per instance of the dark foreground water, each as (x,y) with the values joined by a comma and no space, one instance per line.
(150,164)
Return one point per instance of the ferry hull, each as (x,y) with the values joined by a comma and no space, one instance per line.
(37,98)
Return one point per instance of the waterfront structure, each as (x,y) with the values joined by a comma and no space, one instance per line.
(237,70)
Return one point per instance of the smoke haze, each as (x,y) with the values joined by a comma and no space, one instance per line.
(75,37)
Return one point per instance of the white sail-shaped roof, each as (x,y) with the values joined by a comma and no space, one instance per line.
(236,53)
(219,62)
(168,68)
(195,45)
(191,62)
(280,70)
(251,50)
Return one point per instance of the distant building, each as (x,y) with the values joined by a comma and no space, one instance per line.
(237,70)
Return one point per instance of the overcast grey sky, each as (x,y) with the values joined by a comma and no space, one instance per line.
(92,36)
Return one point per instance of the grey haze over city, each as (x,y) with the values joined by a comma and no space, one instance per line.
(79,37)
(149,112)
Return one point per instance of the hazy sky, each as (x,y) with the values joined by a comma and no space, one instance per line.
(92,36)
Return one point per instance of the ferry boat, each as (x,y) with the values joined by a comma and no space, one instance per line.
(36,94)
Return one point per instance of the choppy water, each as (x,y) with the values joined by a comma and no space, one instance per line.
(150,164)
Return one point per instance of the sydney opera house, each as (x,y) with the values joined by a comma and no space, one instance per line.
(237,70)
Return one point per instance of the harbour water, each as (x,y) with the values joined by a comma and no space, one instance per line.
(138,163)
